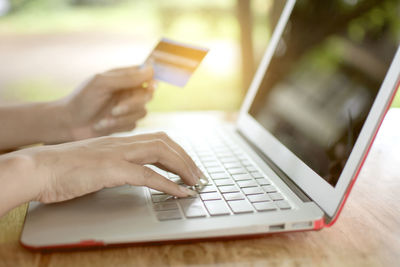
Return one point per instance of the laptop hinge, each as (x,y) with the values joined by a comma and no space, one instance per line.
(297,190)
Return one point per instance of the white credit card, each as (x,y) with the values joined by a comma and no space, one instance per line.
(175,62)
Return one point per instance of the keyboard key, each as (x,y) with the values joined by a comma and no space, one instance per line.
(269,188)
(237,171)
(221,182)
(165,206)
(210,196)
(228,159)
(218,144)
(233,196)
(192,208)
(257,174)
(160,172)
(252,190)
(233,165)
(204,170)
(258,198)
(210,164)
(228,189)
(283,205)
(246,163)
(217,207)
(156,192)
(208,159)
(251,168)
(234,148)
(219,147)
(246,183)
(225,153)
(161,198)
(220,175)
(240,206)
(241,156)
(208,188)
(215,169)
(168,215)
(237,150)
(263,181)
(205,153)
(264,206)
(173,175)
(177,180)
(275,196)
(240,177)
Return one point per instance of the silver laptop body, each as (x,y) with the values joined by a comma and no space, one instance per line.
(304,130)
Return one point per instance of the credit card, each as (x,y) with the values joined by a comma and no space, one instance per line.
(175,62)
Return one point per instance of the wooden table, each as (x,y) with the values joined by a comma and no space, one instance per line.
(367,234)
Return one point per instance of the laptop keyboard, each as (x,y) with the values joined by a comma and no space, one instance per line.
(236,186)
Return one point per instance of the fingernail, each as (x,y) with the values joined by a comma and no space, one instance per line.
(100,125)
(119,110)
(145,85)
(187,191)
(203,181)
(195,178)
(200,174)
(200,178)
(104,123)
(97,127)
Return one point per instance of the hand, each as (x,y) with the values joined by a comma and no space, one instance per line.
(109,102)
(74,169)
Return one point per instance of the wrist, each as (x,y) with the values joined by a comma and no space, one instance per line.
(19,178)
(68,125)
(62,126)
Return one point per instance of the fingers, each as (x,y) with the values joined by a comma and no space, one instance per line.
(144,176)
(123,112)
(177,148)
(163,136)
(132,101)
(118,124)
(127,173)
(124,78)
(117,70)
(156,151)
(160,183)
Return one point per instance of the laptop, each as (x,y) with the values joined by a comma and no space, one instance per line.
(305,127)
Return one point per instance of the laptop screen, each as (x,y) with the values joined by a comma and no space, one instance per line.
(324,76)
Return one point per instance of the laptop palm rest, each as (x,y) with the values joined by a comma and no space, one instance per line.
(109,213)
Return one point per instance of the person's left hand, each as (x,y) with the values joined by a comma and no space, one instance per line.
(109,102)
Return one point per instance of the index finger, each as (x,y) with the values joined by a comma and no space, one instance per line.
(124,78)
(144,176)
(163,136)
(157,151)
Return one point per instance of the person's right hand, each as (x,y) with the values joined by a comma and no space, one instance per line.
(109,102)
(74,169)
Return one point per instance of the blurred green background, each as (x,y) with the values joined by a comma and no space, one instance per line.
(48,47)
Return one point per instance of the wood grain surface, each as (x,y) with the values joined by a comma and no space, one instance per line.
(366,234)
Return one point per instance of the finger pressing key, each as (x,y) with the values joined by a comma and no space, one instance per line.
(158,182)
(197,172)
(158,152)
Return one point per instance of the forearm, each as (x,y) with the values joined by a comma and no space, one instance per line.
(19,181)
(33,123)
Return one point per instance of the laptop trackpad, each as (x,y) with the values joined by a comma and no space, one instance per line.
(109,213)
